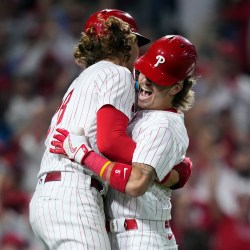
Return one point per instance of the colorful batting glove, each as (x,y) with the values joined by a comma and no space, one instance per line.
(74,146)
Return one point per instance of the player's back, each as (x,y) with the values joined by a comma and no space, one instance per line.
(94,87)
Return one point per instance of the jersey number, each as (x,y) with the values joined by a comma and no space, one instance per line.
(63,106)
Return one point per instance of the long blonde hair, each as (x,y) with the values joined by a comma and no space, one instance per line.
(184,100)
(115,40)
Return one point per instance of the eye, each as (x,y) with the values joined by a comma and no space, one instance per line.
(148,80)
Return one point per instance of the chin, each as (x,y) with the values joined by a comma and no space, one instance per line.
(141,106)
(144,105)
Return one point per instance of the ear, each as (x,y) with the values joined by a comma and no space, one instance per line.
(175,89)
(126,58)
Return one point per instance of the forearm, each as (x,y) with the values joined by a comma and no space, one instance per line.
(132,180)
(142,176)
(171,180)
(115,174)
(179,175)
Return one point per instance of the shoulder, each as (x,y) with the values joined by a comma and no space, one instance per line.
(160,117)
(106,71)
(148,121)
(105,66)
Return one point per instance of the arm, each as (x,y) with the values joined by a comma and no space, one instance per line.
(126,178)
(114,143)
(112,138)
(133,180)
(171,179)
(179,175)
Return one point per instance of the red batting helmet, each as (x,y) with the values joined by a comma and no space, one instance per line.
(97,20)
(169,60)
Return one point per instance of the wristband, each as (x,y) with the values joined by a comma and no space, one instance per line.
(104,167)
(119,176)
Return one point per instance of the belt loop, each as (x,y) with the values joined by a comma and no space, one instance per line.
(117,225)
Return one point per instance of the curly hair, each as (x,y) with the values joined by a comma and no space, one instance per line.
(184,100)
(115,39)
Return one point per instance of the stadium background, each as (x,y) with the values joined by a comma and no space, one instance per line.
(37,38)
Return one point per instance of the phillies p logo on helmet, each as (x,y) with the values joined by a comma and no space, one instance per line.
(160,59)
(168,60)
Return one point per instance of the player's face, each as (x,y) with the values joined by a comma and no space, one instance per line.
(152,96)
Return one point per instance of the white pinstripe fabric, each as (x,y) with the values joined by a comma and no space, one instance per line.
(102,83)
(67,215)
(161,139)
(161,142)
(143,240)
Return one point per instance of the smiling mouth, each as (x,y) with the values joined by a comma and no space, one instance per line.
(144,93)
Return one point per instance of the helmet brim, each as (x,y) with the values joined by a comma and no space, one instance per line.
(153,74)
(142,40)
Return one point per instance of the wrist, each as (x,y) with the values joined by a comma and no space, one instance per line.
(81,154)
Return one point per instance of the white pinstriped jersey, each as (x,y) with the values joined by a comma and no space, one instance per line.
(161,142)
(100,84)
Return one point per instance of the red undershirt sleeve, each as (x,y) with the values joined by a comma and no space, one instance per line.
(112,139)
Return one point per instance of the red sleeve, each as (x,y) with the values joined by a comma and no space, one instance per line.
(112,139)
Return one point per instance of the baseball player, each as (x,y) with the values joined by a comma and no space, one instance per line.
(139,214)
(66,210)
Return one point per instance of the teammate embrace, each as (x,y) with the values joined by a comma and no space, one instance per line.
(141,157)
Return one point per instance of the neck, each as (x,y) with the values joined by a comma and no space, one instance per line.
(115,60)
(172,110)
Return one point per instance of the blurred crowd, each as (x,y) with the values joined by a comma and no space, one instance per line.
(37,38)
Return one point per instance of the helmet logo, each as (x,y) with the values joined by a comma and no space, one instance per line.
(160,59)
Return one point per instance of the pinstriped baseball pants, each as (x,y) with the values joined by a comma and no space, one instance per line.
(68,214)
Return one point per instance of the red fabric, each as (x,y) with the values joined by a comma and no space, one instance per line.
(15,240)
(174,110)
(184,169)
(112,139)
(232,234)
(119,176)
(95,162)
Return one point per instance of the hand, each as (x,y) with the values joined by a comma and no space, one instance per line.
(73,145)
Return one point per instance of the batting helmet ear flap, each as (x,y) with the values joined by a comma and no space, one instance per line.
(169,60)
(97,20)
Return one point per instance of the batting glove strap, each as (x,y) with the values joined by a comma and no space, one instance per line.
(76,147)
(81,154)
